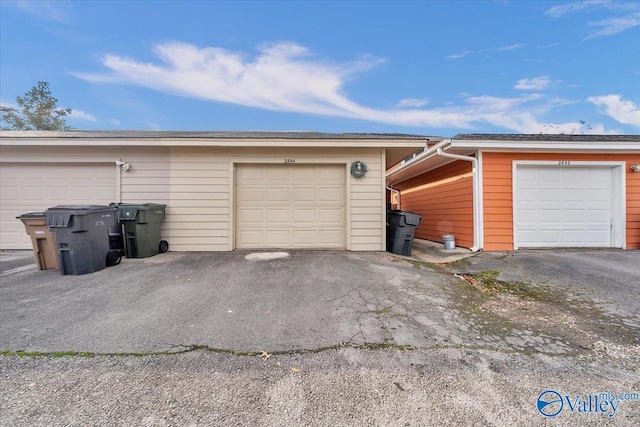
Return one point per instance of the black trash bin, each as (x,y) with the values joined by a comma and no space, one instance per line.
(141,225)
(401,229)
(116,245)
(82,236)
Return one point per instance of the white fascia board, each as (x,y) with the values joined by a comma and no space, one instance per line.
(415,161)
(426,161)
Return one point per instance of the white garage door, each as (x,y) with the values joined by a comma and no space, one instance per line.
(31,187)
(290,206)
(564,206)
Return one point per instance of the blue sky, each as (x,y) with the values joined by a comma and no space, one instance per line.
(431,67)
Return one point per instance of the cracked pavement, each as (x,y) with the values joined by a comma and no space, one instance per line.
(322,316)
(312,300)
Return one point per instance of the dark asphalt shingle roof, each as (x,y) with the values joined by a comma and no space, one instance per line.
(545,137)
(211,135)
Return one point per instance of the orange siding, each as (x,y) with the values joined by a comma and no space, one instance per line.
(498,193)
(444,198)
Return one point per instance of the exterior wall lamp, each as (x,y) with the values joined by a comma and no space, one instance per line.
(124,165)
(358,169)
(635,168)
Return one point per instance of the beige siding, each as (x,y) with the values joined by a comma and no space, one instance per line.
(197,186)
(200,215)
(148,181)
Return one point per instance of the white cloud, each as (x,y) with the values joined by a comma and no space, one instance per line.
(288,77)
(412,102)
(563,9)
(535,83)
(49,10)
(628,15)
(497,49)
(82,115)
(612,26)
(621,110)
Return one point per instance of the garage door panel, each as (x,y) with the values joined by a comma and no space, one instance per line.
(249,194)
(29,187)
(304,194)
(248,216)
(563,207)
(595,237)
(304,238)
(276,238)
(276,217)
(277,174)
(327,237)
(277,194)
(331,216)
(305,216)
(304,174)
(304,206)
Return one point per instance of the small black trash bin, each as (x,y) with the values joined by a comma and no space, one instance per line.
(141,225)
(401,229)
(82,236)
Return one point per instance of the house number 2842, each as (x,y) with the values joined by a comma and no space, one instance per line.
(289,160)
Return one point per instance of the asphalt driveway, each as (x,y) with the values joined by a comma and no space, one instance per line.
(173,301)
(610,278)
(313,300)
(320,338)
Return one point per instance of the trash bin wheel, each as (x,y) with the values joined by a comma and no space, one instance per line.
(163,246)
(113,258)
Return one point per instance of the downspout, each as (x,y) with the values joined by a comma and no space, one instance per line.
(476,194)
(397,194)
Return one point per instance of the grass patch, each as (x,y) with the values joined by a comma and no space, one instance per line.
(384,310)
(488,281)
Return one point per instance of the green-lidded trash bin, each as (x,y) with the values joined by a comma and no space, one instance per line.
(82,236)
(42,240)
(401,229)
(141,225)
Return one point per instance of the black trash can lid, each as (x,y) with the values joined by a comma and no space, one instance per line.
(31,215)
(82,209)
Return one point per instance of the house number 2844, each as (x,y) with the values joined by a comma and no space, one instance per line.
(289,160)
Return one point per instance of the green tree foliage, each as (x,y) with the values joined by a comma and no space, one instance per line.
(37,110)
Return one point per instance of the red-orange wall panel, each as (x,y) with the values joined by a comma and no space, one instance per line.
(498,194)
(445,202)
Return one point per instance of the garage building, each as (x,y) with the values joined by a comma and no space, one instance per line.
(223,190)
(504,192)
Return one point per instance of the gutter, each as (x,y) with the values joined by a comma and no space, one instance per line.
(439,150)
(427,154)
(390,188)
(476,194)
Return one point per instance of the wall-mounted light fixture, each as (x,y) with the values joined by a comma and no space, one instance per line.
(124,165)
(635,168)
(358,169)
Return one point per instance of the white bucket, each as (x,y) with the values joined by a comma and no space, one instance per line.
(449,241)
